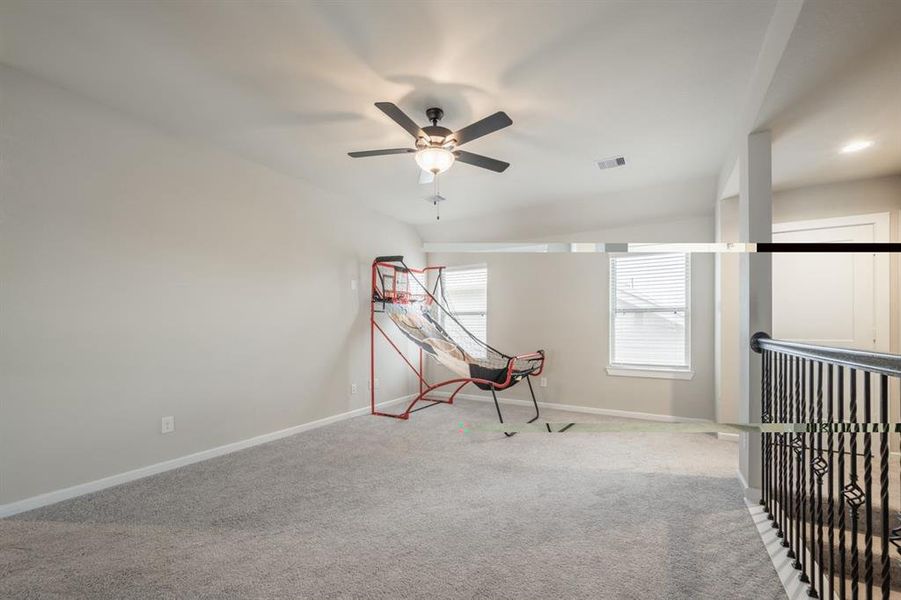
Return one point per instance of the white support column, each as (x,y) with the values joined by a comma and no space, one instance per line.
(756,289)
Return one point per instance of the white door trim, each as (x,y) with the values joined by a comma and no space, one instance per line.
(882,232)
(882,223)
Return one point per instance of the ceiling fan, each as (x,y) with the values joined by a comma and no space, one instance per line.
(436,146)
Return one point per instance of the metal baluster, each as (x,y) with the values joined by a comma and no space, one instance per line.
(830,481)
(810,507)
(802,467)
(764,409)
(770,417)
(773,416)
(818,467)
(781,530)
(884,486)
(853,493)
(868,485)
(841,481)
(771,438)
(792,486)
(895,538)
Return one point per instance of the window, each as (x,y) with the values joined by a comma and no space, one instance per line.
(649,314)
(466,289)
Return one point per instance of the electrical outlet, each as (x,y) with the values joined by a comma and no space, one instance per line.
(353,388)
(167,425)
(542,382)
(353,284)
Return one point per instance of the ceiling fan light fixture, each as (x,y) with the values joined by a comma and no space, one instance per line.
(434,160)
(436,147)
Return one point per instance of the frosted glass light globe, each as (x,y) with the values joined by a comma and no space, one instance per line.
(434,160)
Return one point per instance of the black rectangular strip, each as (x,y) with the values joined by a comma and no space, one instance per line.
(824,247)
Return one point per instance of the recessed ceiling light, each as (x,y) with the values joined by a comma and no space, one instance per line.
(856,146)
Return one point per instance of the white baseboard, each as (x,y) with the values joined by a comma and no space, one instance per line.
(81,489)
(728,437)
(591,410)
(788,576)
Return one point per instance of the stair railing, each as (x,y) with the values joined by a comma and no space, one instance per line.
(827,479)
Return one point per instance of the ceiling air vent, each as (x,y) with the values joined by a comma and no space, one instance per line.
(612,162)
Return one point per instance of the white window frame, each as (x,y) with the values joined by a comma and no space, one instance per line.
(484,314)
(685,372)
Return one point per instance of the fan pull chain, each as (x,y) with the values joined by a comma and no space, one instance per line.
(436,200)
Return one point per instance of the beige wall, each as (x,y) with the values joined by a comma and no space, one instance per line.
(865,196)
(145,275)
(559,303)
(727,309)
(668,206)
(680,229)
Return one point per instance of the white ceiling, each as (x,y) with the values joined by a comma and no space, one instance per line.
(292,86)
(839,80)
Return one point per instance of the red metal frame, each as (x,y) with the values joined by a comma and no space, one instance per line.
(405,296)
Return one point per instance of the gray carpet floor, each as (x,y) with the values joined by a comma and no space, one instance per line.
(377,508)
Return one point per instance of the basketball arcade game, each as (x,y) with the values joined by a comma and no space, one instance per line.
(425,317)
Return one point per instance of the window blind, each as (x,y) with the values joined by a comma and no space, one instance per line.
(649,313)
(466,289)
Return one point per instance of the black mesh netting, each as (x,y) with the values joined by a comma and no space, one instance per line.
(428,322)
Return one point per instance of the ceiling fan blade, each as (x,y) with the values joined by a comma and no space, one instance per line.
(489,124)
(366,153)
(478,160)
(426,176)
(401,118)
